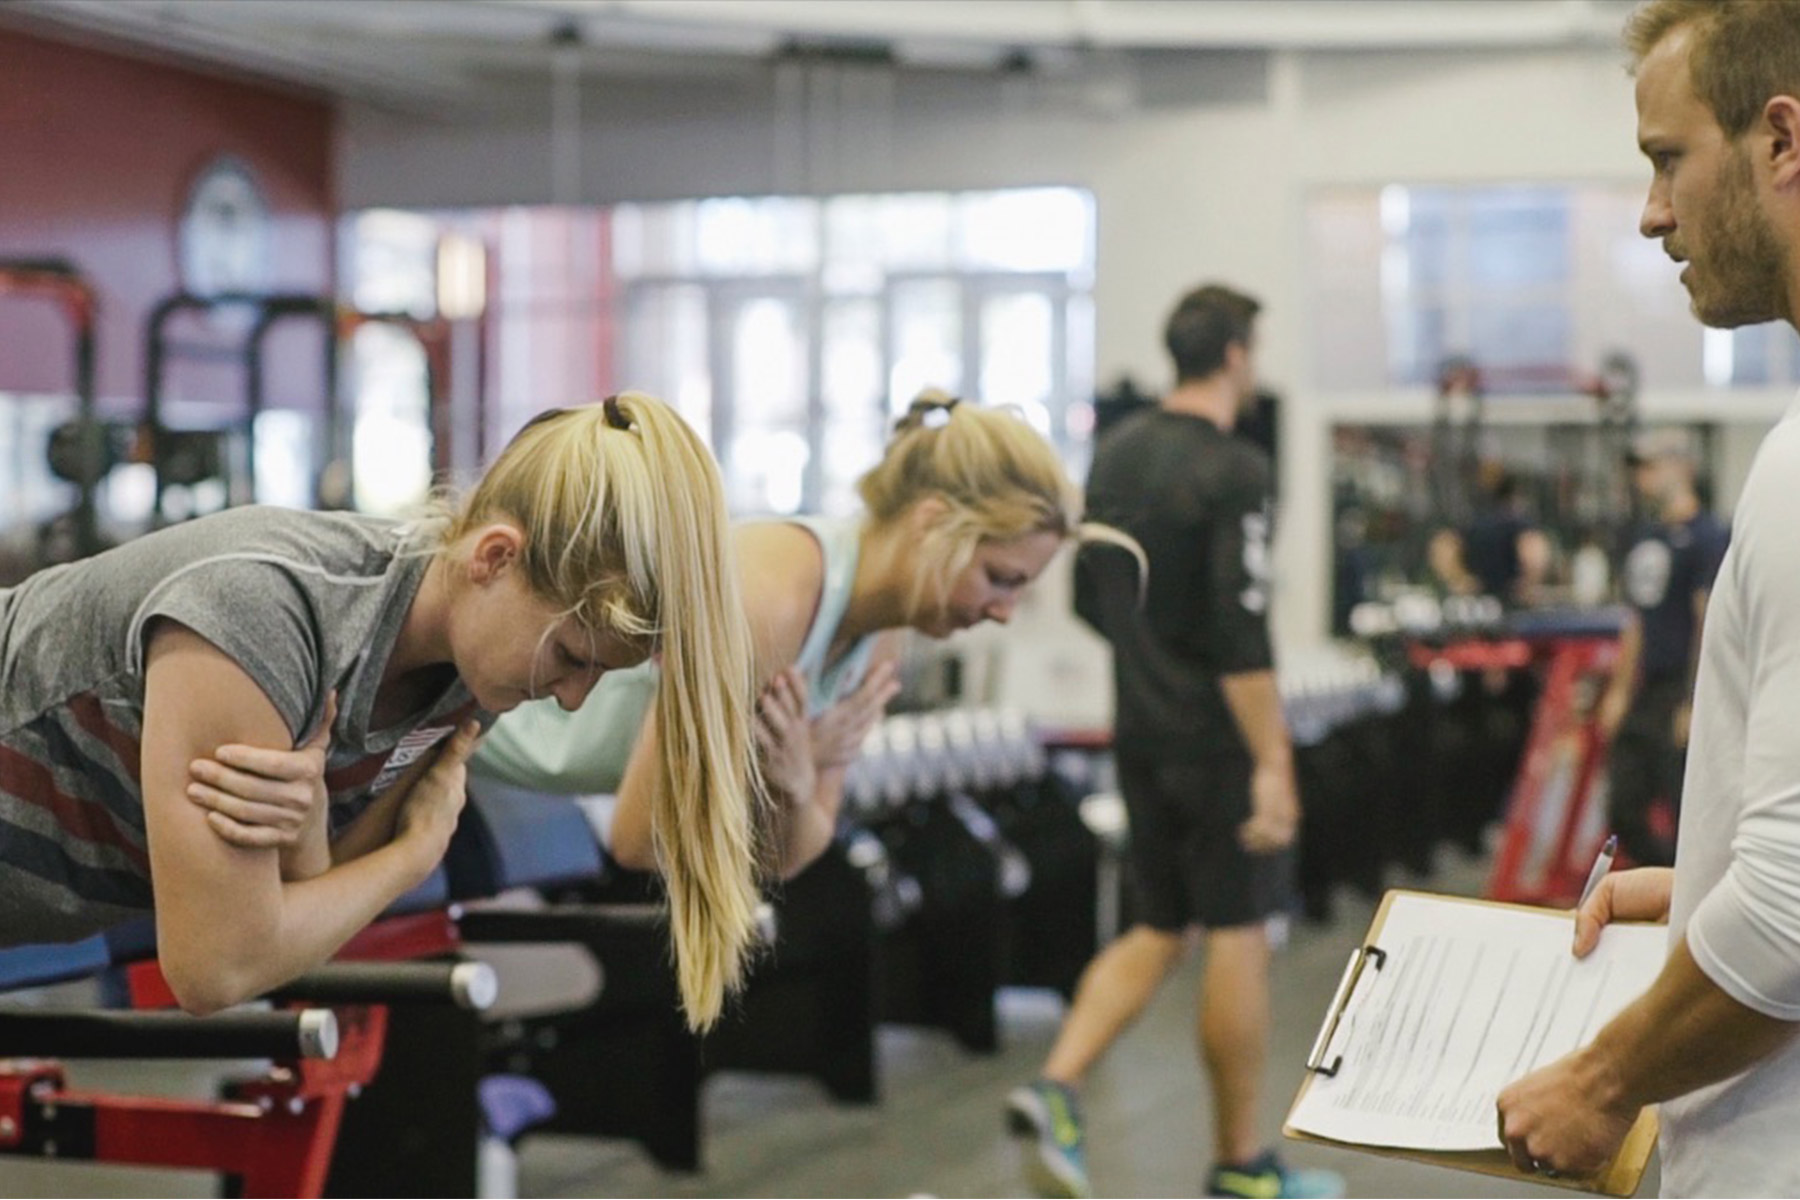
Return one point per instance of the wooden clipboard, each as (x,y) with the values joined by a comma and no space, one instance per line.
(1620,1177)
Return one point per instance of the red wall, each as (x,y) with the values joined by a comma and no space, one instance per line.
(97,153)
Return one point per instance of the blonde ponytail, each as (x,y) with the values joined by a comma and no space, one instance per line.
(625,528)
(704,813)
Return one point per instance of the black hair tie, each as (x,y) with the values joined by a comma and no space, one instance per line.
(928,414)
(615,416)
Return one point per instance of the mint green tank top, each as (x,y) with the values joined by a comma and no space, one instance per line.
(541,747)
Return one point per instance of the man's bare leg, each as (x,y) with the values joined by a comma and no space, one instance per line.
(1234,1035)
(1114,989)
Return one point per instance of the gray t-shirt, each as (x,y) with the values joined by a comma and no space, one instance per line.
(303,602)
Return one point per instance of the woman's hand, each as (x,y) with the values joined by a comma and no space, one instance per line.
(785,737)
(430,809)
(839,731)
(258,798)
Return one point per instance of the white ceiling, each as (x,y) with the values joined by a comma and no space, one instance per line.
(425,55)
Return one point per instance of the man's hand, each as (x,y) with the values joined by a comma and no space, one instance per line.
(1558,1120)
(1639,895)
(1611,712)
(1564,1119)
(838,732)
(785,737)
(259,798)
(1274,810)
(1682,723)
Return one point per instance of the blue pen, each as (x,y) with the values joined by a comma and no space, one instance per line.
(1602,865)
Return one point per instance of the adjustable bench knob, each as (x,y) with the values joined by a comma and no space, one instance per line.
(318,1033)
(475,986)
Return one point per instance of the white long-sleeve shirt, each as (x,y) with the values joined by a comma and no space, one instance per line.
(1737,869)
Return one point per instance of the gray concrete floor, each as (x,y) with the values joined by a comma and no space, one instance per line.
(938,1130)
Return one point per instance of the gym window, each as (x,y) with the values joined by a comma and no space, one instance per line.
(788,330)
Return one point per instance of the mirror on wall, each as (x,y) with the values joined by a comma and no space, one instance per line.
(1412,510)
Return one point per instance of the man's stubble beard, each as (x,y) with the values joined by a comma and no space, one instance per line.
(1738,278)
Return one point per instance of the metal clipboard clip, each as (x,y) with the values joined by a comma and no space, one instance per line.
(1353,970)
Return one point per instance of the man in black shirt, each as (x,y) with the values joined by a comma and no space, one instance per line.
(1201,744)
(1503,548)
(1666,577)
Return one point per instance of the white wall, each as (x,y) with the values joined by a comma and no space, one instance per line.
(1200,166)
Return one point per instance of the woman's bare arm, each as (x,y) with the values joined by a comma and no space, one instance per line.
(783,571)
(228,927)
(254,794)
(257,797)
(809,795)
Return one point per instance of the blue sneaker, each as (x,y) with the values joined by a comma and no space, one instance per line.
(1266,1177)
(1049,1114)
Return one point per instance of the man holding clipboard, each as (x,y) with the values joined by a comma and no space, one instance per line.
(1712,1040)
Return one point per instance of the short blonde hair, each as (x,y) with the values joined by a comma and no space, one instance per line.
(625,528)
(1743,52)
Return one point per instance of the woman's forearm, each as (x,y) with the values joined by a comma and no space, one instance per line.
(311,856)
(270,940)
(807,828)
(374,826)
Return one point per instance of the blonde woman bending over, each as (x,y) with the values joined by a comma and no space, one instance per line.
(966,507)
(260,718)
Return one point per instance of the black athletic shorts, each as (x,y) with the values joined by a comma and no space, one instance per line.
(1187,865)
